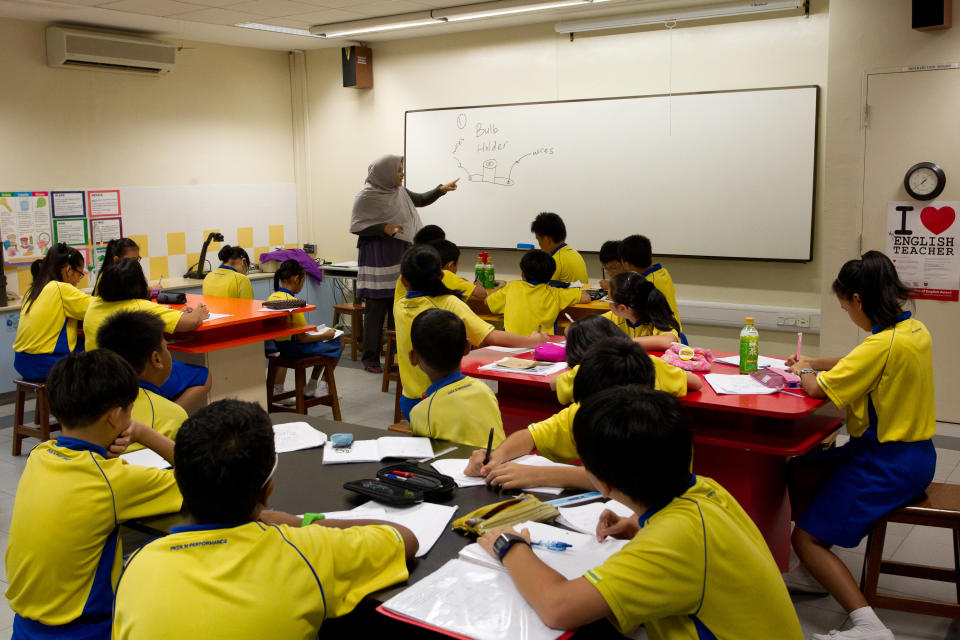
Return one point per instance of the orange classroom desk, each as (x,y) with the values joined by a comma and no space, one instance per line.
(743,442)
(232,347)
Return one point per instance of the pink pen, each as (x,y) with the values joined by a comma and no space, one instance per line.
(799,343)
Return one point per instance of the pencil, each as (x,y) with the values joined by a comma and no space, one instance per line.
(486,458)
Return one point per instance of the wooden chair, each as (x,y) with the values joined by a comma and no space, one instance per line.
(940,508)
(355,311)
(41,414)
(391,369)
(300,366)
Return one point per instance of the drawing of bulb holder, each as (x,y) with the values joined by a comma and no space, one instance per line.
(488,174)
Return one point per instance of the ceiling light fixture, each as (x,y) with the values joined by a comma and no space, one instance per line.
(275,29)
(503,8)
(373,25)
(681,15)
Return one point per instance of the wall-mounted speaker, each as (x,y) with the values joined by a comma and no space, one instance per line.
(357,67)
(929,15)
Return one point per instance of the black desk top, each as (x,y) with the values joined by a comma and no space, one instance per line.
(302,484)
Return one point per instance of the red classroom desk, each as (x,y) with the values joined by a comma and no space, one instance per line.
(743,442)
(232,348)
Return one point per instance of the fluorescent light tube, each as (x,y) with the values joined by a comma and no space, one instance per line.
(504,7)
(372,25)
(679,15)
(275,29)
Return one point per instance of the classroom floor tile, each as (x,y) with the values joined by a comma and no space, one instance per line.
(362,402)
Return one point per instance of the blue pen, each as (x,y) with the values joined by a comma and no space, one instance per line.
(552,545)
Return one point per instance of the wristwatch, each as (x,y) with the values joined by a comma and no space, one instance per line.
(505,542)
(807,370)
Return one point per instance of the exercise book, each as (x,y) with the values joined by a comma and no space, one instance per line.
(379,449)
(426,520)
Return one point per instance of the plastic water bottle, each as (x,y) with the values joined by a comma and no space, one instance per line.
(749,347)
(490,275)
(479,270)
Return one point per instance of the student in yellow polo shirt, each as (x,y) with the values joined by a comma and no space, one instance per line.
(531,304)
(421,273)
(240,570)
(117,249)
(639,310)
(230,280)
(551,235)
(609,362)
(455,407)
(64,553)
(47,331)
(588,330)
(610,261)
(886,386)
(636,255)
(695,566)
(450,259)
(137,337)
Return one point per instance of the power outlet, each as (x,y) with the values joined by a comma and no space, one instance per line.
(786,321)
(803,322)
(310,248)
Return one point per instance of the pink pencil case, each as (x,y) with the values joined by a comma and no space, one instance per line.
(550,352)
(776,378)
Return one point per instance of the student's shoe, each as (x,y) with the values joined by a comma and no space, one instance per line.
(856,633)
(799,580)
(373,368)
(317,390)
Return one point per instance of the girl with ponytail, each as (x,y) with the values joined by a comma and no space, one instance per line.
(642,312)
(886,386)
(117,249)
(230,280)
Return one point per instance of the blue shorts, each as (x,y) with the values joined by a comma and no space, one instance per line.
(35,367)
(293,349)
(869,480)
(27,629)
(407,405)
(181,377)
(270,347)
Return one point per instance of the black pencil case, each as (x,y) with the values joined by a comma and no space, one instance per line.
(171,297)
(435,486)
(387,493)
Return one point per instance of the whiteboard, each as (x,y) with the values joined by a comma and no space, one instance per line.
(724,174)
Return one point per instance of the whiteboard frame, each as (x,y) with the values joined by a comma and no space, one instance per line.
(813,186)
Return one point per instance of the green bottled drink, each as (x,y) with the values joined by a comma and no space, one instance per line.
(749,347)
(490,277)
(479,270)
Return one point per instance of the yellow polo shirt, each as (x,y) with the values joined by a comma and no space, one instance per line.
(460,409)
(49,326)
(64,554)
(295,319)
(570,265)
(227,282)
(638,331)
(661,279)
(414,380)
(450,280)
(528,307)
(670,379)
(892,370)
(162,415)
(99,311)
(698,568)
(253,580)
(553,437)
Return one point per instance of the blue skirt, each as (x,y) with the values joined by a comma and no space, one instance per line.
(870,479)
(293,349)
(181,377)
(35,367)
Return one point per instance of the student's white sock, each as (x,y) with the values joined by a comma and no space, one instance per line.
(277,388)
(311,387)
(866,626)
(866,619)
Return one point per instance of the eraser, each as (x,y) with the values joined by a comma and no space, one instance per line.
(342,439)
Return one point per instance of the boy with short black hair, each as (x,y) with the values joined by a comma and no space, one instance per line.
(610,261)
(137,337)
(531,304)
(609,362)
(696,566)
(551,235)
(636,254)
(242,571)
(454,407)
(64,553)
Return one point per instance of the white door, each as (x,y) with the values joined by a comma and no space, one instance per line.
(913,117)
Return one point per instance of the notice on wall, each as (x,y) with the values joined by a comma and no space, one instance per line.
(104,203)
(922,242)
(24,225)
(72,231)
(103,230)
(68,204)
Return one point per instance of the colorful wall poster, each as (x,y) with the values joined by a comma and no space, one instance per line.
(922,242)
(99,253)
(24,225)
(72,231)
(104,203)
(68,204)
(103,230)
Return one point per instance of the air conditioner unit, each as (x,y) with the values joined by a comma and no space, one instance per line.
(72,47)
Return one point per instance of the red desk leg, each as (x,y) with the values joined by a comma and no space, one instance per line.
(522,405)
(758,482)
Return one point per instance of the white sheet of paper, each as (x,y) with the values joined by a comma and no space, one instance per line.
(376,450)
(737,385)
(294,436)
(509,349)
(546,370)
(217,316)
(348,264)
(454,467)
(146,458)
(426,520)
(321,328)
(762,361)
(269,310)
(584,518)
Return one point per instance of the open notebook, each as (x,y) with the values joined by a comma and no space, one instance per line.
(426,520)
(379,449)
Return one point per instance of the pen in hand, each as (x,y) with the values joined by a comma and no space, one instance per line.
(486,458)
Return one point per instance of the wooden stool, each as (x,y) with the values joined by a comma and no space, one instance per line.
(940,508)
(391,369)
(355,311)
(41,414)
(300,366)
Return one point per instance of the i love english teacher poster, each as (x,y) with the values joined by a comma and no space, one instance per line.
(923,241)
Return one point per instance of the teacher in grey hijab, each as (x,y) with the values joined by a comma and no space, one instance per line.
(386,220)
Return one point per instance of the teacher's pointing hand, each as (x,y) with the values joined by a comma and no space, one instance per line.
(450,186)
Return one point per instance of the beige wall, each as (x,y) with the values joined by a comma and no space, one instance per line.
(349,128)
